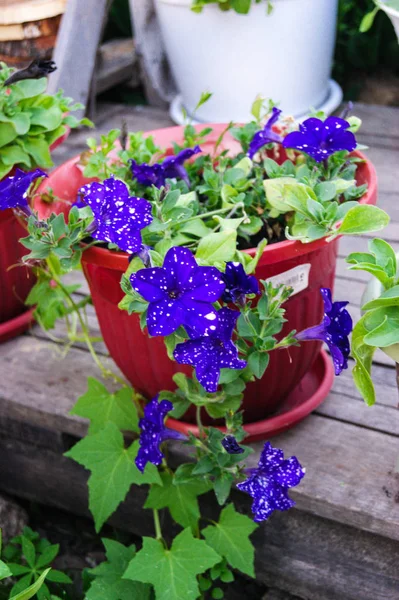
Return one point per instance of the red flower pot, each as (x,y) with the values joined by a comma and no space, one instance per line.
(15,281)
(144,361)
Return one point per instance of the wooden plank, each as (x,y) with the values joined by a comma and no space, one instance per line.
(76,48)
(379,121)
(159,85)
(334,453)
(304,554)
(116,63)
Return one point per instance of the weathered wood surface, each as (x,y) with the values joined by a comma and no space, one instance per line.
(116,63)
(76,48)
(158,81)
(342,541)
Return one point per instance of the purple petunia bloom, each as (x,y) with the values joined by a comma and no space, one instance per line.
(180,293)
(268,484)
(210,353)
(266,135)
(153,432)
(14,189)
(119,217)
(148,174)
(333,330)
(231,445)
(238,283)
(171,168)
(319,139)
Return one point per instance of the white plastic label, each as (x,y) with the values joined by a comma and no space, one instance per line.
(297,278)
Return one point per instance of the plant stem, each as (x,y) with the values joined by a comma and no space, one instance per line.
(157,524)
(211,213)
(85,333)
(199,422)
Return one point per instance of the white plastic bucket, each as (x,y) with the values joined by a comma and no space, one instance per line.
(286,56)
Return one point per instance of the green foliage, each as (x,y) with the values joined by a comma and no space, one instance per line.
(242,7)
(179,497)
(108,583)
(30,121)
(380,262)
(175,575)
(57,238)
(230,539)
(29,559)
(113,470)
(379,325)
(102,407)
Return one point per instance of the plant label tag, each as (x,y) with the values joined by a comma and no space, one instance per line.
(296,278)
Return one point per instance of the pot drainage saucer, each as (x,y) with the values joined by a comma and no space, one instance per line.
(16,326)
(305,398)
(332,101)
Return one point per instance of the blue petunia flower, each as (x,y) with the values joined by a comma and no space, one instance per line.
(118,216)
(319,139)
(231,445)
(148,174)
(268,484)
(333,330)
(208,354)
(171,168)
(14,189)
(153,432)
(180,293)
(266,135)
(238,283)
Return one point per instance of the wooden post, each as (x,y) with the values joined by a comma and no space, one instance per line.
(75,52)
(158,82)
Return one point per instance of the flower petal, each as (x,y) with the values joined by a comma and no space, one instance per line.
(207,284)
(180,264)
(289,473)
(164,317)
(150,283)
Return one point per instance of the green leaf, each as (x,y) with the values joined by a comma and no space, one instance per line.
(13,154)
(180,499)
(222,486)
(39,150)
(108,583)
(58,577)
(33,589)
(20,121)
(28,88)
(48,118)
(368,20)
(257,362)
(241,6)
(175,575)
(217,247)
(4,570)
(252,264)
(363,218)
(47,556)
(7,134)
(363,355)
(112,468)
(102,407)
(385,255)
(29,551)
(388,298)
(382,325)
(230,538)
